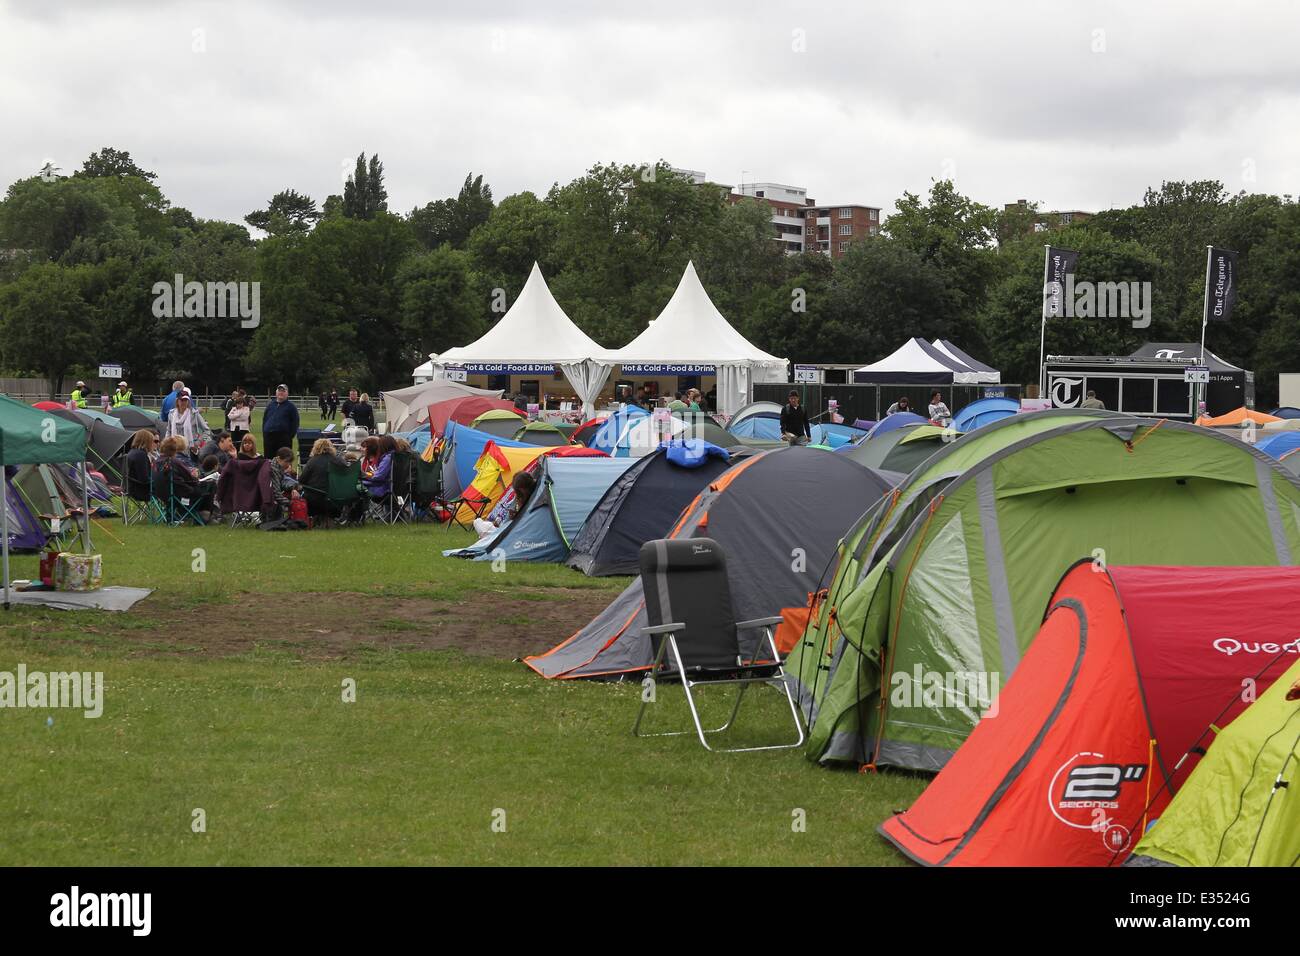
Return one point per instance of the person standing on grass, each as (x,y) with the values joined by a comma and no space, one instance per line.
(363,414)
(236,398)
(170,401)
(350,403)
(333,403)
(323,400)
(186,422)
(240,417)
(794,421)
(122,396)
(279,421)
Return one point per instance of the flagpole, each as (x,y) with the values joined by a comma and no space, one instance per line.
(1042,333)
(1205,320)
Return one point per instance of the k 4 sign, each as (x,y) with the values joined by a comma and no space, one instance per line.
(1196,374)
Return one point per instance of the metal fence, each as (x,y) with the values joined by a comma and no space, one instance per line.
(870,402)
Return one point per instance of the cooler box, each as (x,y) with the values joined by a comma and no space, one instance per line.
(78,572)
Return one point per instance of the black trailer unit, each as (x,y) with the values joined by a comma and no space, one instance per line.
(1149,382)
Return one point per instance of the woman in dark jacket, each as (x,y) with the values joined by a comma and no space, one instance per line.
(139,464)
(315,478)
(363,414)
(176,480)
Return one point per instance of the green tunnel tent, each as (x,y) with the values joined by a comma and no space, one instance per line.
(902,450)
(951,573)
(779,516)
(1241,805)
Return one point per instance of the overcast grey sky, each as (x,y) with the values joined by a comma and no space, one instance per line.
(1076,105)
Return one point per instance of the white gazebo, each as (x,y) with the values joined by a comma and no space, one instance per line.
(535,330)
(691,332)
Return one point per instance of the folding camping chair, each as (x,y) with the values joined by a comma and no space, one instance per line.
(343,496)
(138,505)
(426,486)
(395,507)
(688,610)
(177,509)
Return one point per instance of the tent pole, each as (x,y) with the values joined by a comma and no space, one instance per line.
(4,521)
(85,507)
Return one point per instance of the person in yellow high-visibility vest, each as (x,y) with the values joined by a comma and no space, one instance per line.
(79,395)
(122,396)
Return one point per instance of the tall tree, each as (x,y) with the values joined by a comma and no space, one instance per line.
(288,211)
(452,220)
(113,162)
(364,194)
(45,325)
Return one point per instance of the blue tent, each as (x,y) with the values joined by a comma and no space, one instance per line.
(419,438)
(765,425)
(607,435)
(834,435)
(896,420)
(1277,444)
(567,490)
(1286,411)
(984,411)
(464,448)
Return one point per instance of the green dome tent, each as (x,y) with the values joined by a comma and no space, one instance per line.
(1240,806)
(950,574)
(902,449)
(541,433)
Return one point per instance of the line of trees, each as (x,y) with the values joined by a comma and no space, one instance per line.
(352,292)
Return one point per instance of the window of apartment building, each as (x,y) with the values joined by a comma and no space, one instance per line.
(846,212)
(872,230)
(871,214)
(846,229)
(844,247)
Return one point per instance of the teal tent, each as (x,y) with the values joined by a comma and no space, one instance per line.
(31,436)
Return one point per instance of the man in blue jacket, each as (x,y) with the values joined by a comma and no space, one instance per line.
(169,402)
(279,423)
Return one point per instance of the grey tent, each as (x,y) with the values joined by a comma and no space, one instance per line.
(643,504)
(779,517)
(900,450)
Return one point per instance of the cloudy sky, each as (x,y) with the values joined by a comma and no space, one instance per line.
(1075,105)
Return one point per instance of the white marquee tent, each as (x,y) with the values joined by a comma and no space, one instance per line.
(917,362)
(536,330)
(690,331)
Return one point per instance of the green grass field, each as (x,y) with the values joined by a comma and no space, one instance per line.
(224,693)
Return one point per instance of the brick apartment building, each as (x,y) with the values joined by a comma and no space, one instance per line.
(804,226)
(801,224)
(1055,219)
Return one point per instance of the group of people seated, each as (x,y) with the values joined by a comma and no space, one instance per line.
(186,479)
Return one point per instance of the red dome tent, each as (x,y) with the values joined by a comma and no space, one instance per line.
(463,411)
(1132,669)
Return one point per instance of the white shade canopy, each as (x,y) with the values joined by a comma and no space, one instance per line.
(917,362)
(691,331)
(534,329)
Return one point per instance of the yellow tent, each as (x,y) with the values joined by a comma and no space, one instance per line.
(493,472)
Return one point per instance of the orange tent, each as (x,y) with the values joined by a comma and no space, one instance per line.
(1236,417)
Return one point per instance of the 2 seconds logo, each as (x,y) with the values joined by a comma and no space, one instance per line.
(1085,788)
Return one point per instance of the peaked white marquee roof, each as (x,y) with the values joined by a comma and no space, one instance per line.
(534,329)
(691,330)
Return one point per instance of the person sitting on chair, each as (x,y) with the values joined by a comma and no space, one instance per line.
(139,463)
(248,449)
(315,478)
(379,483)
(176,480)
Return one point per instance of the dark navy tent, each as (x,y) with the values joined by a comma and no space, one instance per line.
(896,420)
(642,505)
(567,489)
(1286,411)
(788,502)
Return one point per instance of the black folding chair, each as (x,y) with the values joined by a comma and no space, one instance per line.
(689,620)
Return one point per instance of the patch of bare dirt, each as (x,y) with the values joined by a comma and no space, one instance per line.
(329,625)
